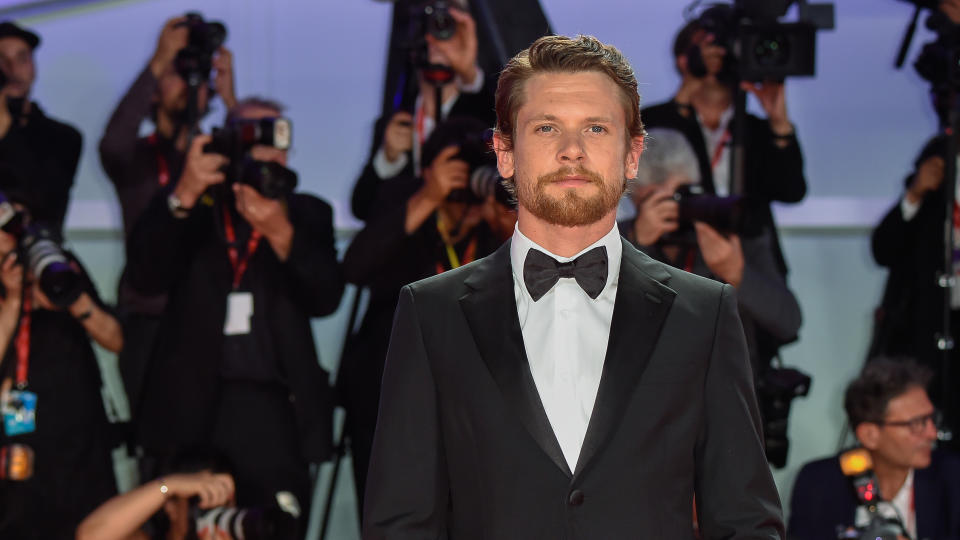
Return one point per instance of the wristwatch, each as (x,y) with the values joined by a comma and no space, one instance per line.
(176,207)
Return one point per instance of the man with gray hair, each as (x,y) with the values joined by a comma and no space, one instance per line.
(676,223)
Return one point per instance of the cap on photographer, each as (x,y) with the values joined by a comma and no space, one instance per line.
(41,153)
(894,421)
(244,268)
(399,135)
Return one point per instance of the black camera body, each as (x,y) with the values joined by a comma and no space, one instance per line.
(42,254)
(195,61)
(272,180)
(725,214)
(474,140)
(270,523)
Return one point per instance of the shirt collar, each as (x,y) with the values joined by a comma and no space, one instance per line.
(520,245)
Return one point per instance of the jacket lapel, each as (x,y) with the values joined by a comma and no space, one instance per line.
(491,311)
(642,304)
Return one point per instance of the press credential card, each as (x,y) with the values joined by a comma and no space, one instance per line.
(239,312)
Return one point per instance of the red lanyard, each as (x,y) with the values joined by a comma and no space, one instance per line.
(239,265)
(718,150)
(468,256)
(23,341)
(163,170)
(421,135)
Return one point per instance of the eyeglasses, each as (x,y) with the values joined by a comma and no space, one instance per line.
(917,424)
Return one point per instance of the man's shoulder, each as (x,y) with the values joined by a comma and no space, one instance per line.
(681,281)
(56,127)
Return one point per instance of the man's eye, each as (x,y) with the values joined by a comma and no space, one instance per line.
(598,129)
(545,129)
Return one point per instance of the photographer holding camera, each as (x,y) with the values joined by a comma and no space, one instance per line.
(440,223)
(245,264)
(914,491)
(42,153)
(139,167)
(702,109)
(697,233)
(55,445)
(398,137)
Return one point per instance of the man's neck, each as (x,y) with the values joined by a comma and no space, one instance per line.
(563,241)
(167,127)
(428,95)
(890,477)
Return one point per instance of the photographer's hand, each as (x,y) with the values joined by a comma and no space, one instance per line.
(773,98)
(444,174)
(11,276)
(951,8)
(6,119)
(398,136)
(928,178)
(656,215)
(461,49)
(200,172)
(223,79)
(723,255)
(266,216)
(172,39)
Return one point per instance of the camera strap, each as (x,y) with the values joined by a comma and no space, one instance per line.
(239,264)
(163,170)
(23,341)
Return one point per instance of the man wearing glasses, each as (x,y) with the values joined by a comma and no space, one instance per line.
(893,419)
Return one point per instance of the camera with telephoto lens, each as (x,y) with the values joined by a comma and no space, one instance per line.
(768,49)
(725,214)
(474,141)
(42,254)
(195,61)
(434,19)
(777,387)
(273,523)
(270,179)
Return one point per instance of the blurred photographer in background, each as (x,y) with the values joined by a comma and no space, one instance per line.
(703,108)
(188,48)
(443,72)
(41,152)
(679,224)
(457,213)
(55,462)
(897,486)
(245,263)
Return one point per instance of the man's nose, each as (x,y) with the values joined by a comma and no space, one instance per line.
(571,149)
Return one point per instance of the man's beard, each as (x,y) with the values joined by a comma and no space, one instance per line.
(570,209)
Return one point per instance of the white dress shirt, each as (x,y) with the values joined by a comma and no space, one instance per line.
(717,140)
(565,335)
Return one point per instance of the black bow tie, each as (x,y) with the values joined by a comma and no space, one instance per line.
(541,272)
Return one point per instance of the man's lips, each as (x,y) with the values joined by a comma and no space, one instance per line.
(572,181)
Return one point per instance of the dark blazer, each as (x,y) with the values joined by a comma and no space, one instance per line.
(772,173)
(477,105)
(823,499)
(464,449)
(187,260)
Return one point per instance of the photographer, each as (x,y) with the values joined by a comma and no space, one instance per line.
(418,228)
(50,393)
(398,137)
(769,310)
(892,417)
(126,516)
(41,152)
(909,241)
(702,109)
(244,268)
(139,167)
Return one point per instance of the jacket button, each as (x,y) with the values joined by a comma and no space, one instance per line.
(576,498)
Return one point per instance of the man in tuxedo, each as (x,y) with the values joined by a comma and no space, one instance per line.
(568,386)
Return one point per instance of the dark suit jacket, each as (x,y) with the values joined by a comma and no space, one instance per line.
(823,499)
(477,105)
(187,260)
(464,448)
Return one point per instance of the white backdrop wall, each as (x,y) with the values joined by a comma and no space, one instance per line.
(860,124)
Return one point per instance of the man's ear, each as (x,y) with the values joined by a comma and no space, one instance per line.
(868,434)
(633,156)
(505,164)
(682,63)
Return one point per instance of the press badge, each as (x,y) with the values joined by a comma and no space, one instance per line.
(19,412)
(239,312)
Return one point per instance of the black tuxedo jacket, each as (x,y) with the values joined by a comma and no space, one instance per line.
(464,448)
(823,499)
